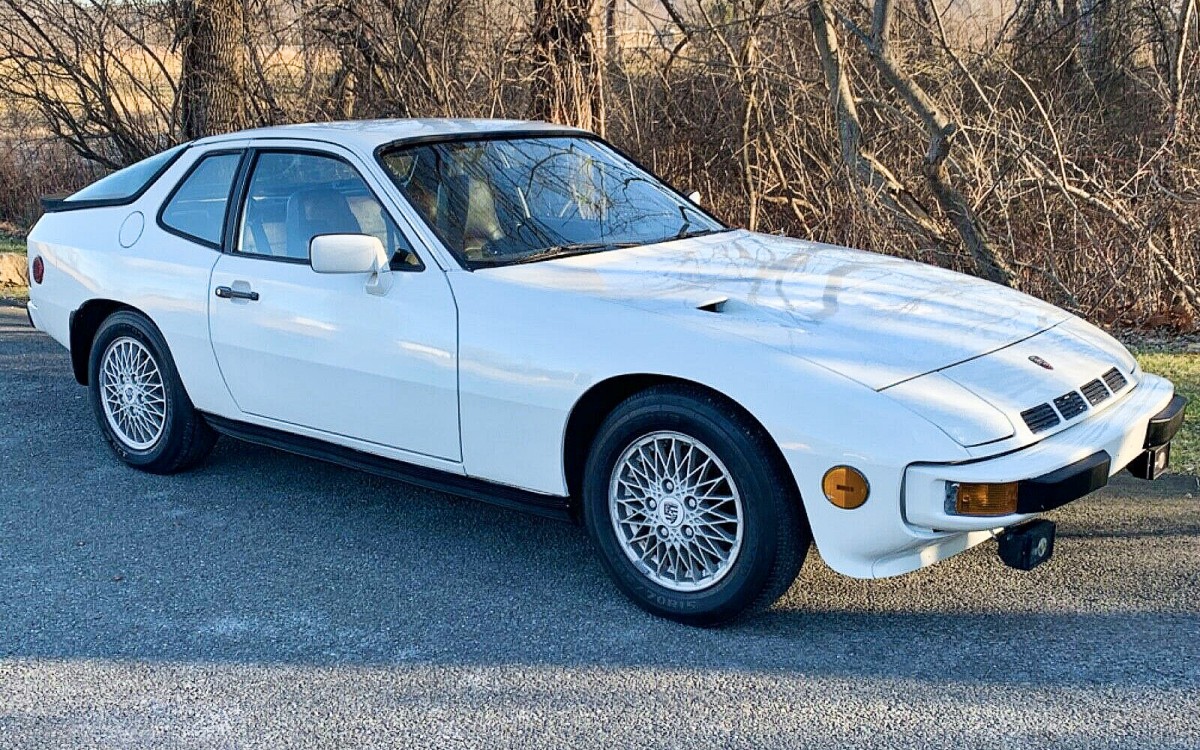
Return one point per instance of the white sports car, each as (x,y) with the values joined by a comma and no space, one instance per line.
(518,312)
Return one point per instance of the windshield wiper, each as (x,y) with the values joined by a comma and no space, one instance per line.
(563,251)
(685,233)
(586,248)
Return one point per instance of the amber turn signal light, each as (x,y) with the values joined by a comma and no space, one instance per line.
(845,487)
(985,499)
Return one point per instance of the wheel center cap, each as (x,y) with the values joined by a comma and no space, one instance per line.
(670,511)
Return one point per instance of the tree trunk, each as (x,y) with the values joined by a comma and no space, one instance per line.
(567,72)
(1178,64)
(611,48)
(1106,41)
(212,87)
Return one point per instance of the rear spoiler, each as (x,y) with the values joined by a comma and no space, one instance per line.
(52,203)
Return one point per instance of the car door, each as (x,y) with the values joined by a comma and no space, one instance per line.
(317,350)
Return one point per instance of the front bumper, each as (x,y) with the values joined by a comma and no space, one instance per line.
(1059,487)
(1166,423)
(1061,468)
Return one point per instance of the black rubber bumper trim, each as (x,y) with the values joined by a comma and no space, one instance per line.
(1166,423)
(1063,485)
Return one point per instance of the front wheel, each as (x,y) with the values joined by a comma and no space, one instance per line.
(140,403)
(691,508)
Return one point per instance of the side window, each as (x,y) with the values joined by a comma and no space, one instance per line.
(197,207)
(125,184)
(294,197)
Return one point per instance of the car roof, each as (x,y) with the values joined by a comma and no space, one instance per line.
(367,135)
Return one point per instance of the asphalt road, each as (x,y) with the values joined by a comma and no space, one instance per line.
(271,601)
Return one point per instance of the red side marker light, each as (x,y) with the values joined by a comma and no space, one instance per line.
(39,270)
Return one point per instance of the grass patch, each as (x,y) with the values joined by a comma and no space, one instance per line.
(1184,371)
(14,295)
(12,239)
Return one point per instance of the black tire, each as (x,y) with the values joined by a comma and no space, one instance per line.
(775,533)
(186,438)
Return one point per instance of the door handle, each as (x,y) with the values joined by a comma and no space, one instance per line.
(225,292)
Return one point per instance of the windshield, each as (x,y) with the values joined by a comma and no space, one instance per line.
(504,201)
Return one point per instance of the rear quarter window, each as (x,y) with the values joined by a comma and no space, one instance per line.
(126,184)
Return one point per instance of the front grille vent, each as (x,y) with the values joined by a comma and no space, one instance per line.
(1040,418)
(1095,392)
(1070,404)
(1114,380)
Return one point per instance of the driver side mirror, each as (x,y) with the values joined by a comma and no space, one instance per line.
(352,253)
(694,197)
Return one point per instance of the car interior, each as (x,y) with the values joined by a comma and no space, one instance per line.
(283,215)
(493,200)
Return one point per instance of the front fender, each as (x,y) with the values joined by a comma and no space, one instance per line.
(529,354)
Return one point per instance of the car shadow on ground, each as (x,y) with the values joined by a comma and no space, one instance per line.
(265,557)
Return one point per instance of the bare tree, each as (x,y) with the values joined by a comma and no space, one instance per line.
(868,170)
(1002,143)
(939,130)
(93,73)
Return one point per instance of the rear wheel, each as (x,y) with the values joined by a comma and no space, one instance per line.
(141,406)
(691,507)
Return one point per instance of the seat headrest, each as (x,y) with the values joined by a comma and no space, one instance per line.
(314,212)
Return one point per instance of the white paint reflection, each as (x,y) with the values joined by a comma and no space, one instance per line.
(875,318)
(425,351)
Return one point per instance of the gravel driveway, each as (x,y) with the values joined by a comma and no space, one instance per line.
(271,601)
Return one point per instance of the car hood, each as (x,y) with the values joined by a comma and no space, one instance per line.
(874,318)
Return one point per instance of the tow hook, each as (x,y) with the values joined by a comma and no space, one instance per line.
(1027,545)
